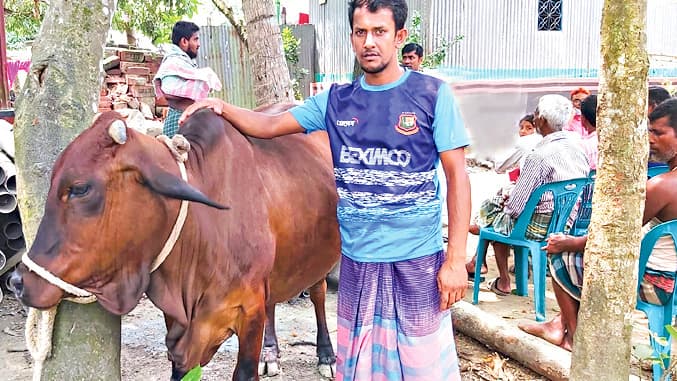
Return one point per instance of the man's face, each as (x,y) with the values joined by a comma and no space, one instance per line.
(191,45)
(576,100)
(662,140)
(375,40)
(412,60)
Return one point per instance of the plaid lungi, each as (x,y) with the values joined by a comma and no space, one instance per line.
(171,126)
(390,327)
(491,214)
(567,270)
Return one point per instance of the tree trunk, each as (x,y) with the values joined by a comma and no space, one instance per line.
(131,39)
(272,83)
(538,355)
(609,289)
(57,102)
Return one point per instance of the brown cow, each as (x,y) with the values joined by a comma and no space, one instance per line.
(111,208)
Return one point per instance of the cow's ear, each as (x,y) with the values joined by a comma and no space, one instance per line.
(171,186)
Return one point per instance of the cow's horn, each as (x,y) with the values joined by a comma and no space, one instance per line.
(118,131)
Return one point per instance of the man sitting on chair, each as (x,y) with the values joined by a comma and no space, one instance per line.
(558,157)
(566,252)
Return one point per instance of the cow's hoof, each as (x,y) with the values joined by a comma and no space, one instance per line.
(268,369)
(327,371)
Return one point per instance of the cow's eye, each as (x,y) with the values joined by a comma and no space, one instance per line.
(78,190)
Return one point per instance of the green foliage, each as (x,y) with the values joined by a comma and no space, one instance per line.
(22,21)
(435,58)
(195,374)
(646,352)
(153,18)
(292,46)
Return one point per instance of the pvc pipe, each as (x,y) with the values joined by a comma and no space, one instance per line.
(7,138)
(7,202)
(12,229)
(16,244)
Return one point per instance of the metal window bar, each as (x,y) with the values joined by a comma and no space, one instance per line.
(549,15)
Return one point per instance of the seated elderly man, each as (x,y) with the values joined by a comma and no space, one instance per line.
(559,156)
(566,252)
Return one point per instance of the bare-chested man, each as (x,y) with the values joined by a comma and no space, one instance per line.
(566,252)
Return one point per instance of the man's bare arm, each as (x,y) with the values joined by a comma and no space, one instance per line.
(252,123)
(452,277)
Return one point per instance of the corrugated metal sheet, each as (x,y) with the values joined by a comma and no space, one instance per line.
(501,39)
(222,50)
(334,53)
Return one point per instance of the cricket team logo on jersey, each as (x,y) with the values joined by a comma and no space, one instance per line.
(407,124)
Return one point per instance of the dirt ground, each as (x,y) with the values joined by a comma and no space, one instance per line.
(144,352)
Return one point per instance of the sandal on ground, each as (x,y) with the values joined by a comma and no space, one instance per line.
(471,277)
(493,287)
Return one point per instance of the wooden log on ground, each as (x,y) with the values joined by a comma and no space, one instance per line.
(538,355)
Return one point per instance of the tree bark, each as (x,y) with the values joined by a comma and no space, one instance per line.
(609,289)
(272,83)
(57,102)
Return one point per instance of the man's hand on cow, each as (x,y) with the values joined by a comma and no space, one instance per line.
(214,104)
(452,281)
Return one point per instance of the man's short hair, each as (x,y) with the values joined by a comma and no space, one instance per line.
(183,29)
(657,94)
(413,47)
(556,110)
(398,7)
(589,109)
(666,108)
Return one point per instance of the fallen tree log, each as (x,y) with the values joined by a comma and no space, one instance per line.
(538,355)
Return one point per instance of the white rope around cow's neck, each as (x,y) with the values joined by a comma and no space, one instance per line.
(40,324)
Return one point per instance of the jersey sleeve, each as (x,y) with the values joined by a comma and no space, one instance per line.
(448,129)
(310,115)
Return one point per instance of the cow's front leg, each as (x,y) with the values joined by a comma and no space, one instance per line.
(194,345)
(268,365)
(325,352)
(250,335)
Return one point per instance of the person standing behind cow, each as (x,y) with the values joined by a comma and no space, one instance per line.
(178,79)
(412,56)
(388,131)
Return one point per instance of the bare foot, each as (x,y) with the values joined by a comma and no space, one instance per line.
(470,267)
(474,229)
(567,343)
(551,331)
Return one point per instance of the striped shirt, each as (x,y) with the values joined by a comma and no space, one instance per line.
(559,156)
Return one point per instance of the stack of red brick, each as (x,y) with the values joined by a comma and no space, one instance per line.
(129,82)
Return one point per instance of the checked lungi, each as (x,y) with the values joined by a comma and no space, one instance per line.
(567,270)
(390,326)
(171,126)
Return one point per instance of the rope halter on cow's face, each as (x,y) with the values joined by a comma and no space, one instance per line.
(39,324)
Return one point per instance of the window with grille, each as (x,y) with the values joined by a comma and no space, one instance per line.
(550,15)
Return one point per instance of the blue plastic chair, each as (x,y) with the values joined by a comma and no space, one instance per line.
(658,316)
(582,222)
(565,194)
(657,170)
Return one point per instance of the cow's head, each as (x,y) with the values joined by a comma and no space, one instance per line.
(112,201)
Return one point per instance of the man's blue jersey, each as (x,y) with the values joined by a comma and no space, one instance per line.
(385,143)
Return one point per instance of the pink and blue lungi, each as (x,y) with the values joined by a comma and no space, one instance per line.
(389,323)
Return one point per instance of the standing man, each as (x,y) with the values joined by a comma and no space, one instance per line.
(412,56)
(388,132)
(178,79)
